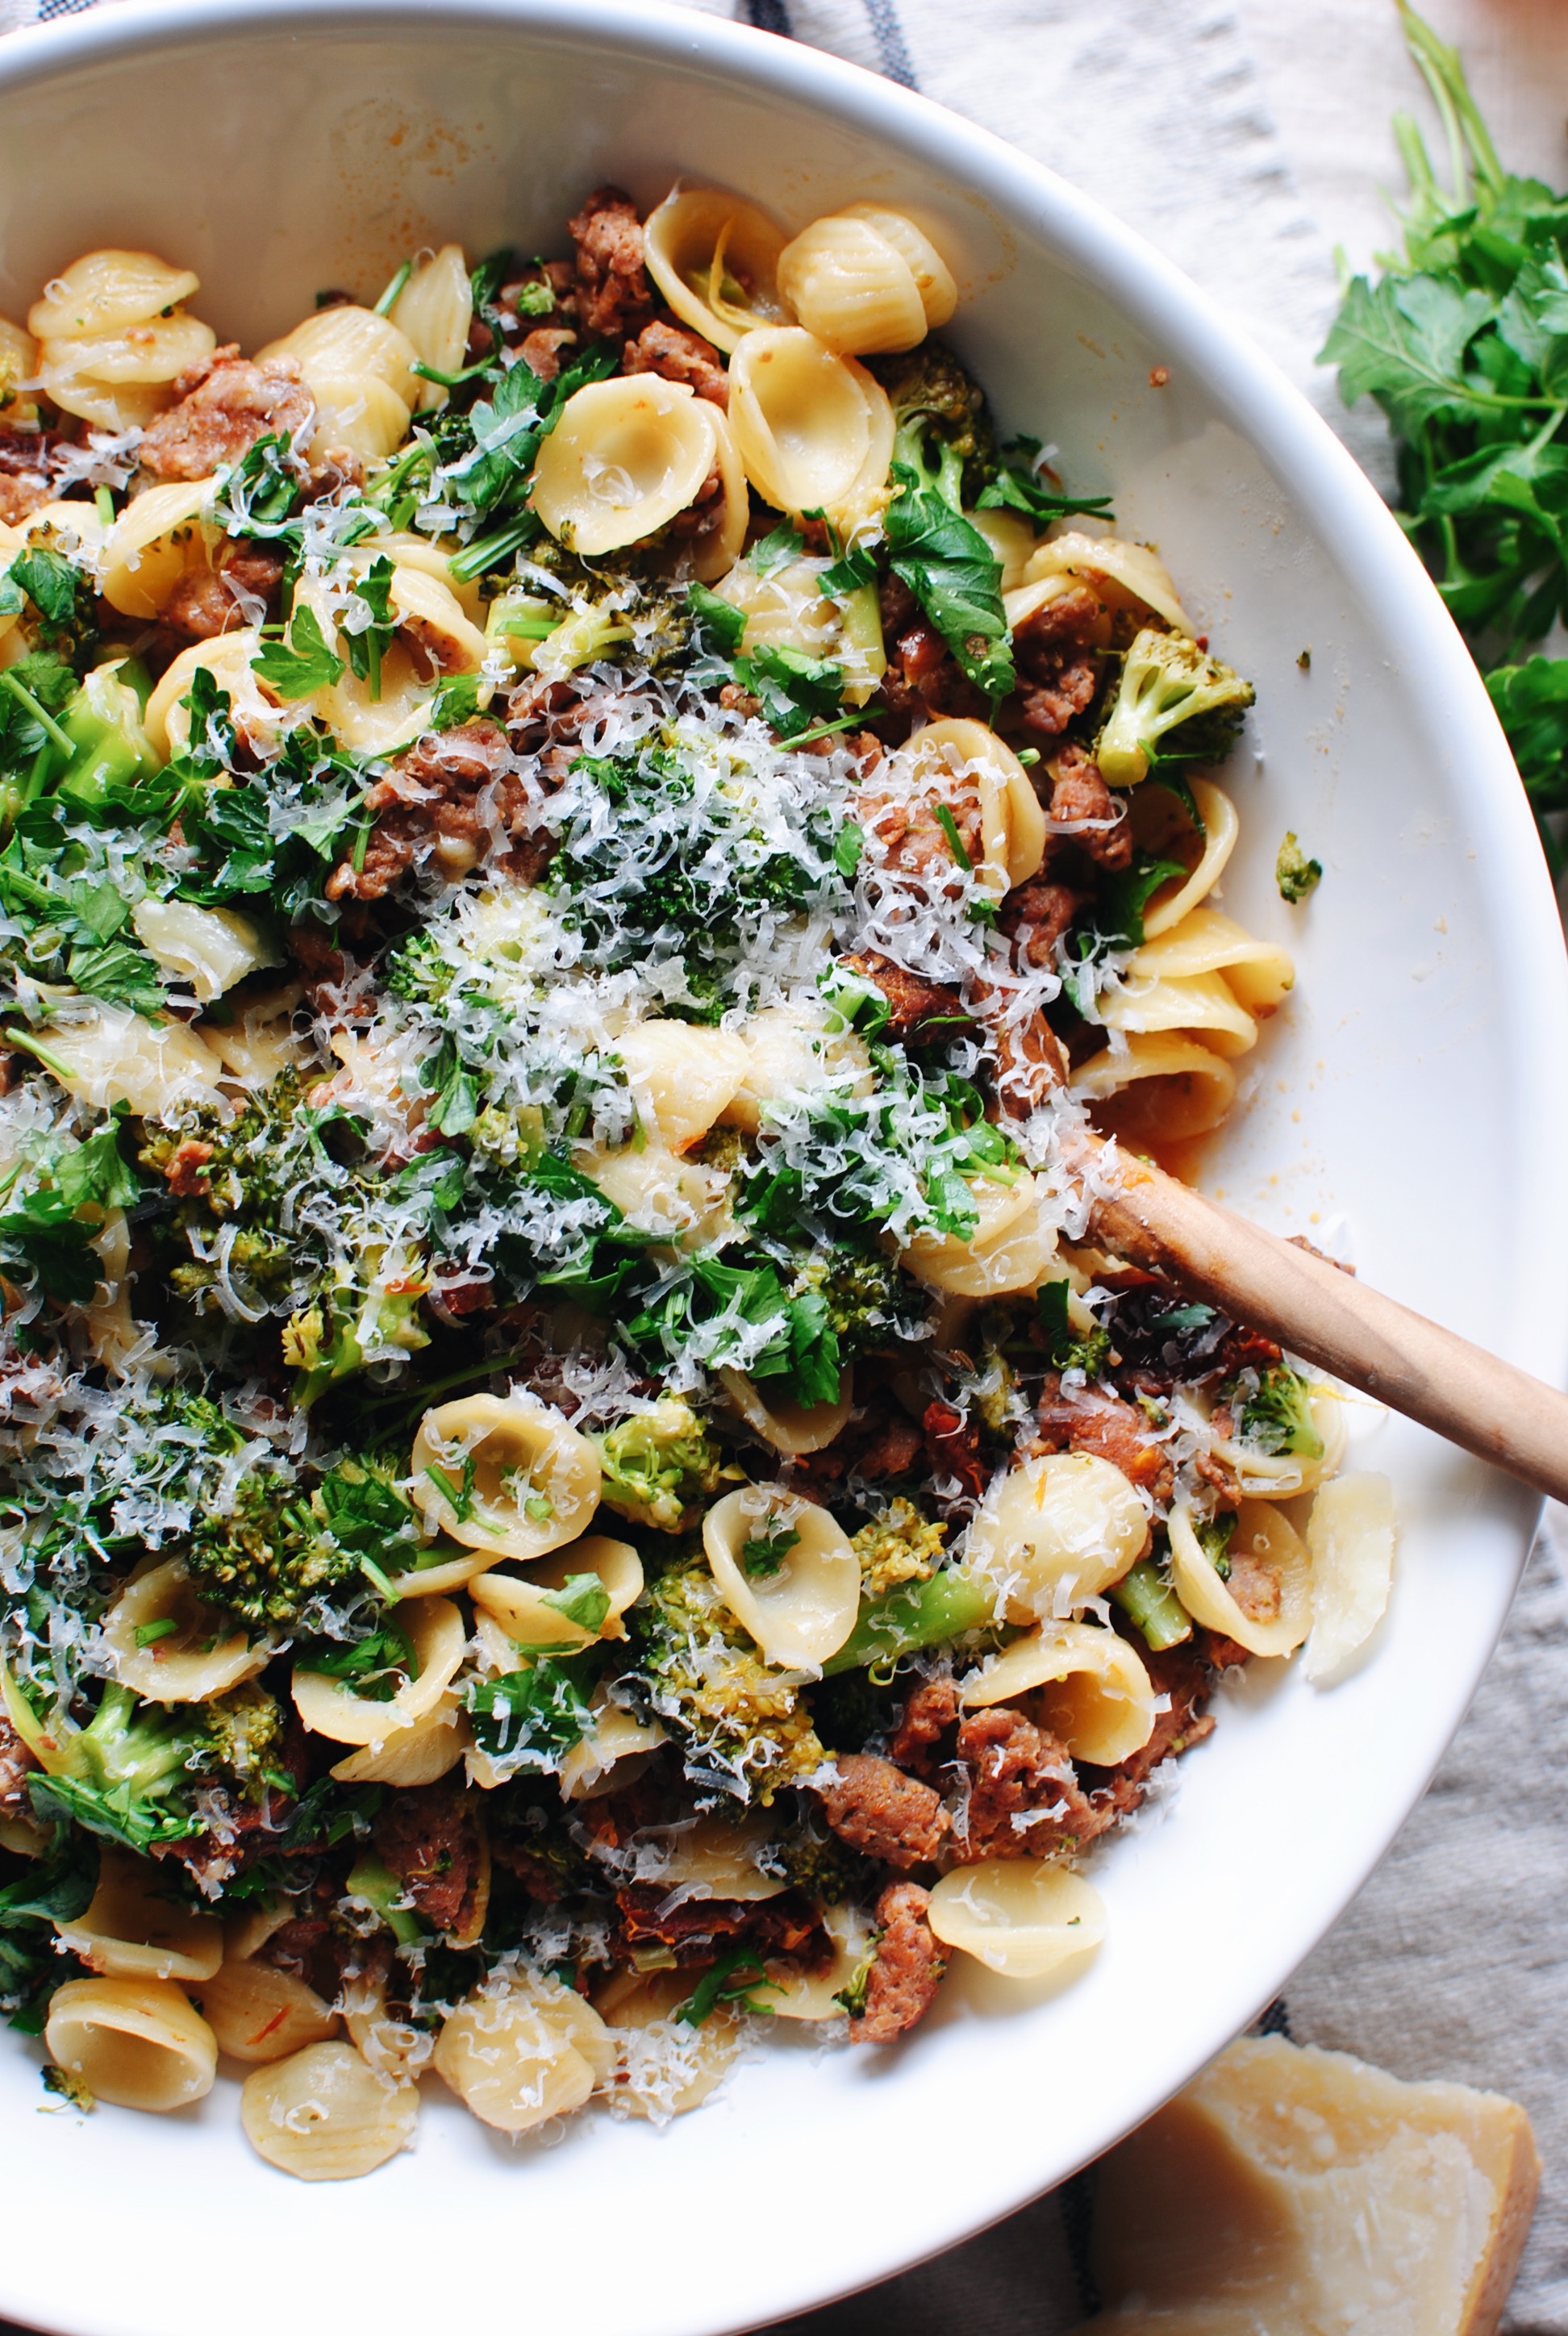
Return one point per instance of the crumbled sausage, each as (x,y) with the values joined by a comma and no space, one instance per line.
(185,1172)
(1036,915)
(1030,1061)
(613,293)
(208,601)
(918,1010)
(678,354)
(930,1715)
(1056,661)
(1079,794)
(540,350)
(923,678)
(1024,1800)
(693,1928)
(25,459)
(878,1810)
(223,407)
(428,1836)
(903,1982)
(1093,1421)
(16,1763)
(914,842)
(1180,1677)
(454,797)
(954,1447)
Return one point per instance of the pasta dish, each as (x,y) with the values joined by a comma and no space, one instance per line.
(577,846)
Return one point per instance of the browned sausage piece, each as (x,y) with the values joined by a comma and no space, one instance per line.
(878,1810)
(225,405)
(904,1980)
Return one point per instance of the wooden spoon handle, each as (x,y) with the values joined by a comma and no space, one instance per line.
(1381,1348)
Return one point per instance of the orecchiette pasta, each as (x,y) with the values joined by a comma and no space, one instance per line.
(788,608)
(814,430)
(1168,1088)
(331,1708)
(1126,575)
(625,457)
(1280,1475)
(1263,1599)
(850,286)
(795,1994)
(530,1610)
(259,2013)
(613,1752)
(1011,1247)
(137,2042)
(1012,823)
(1017,1917)
(324,2115)
(419,1755)
(151,545)
(664,2066)
(790,1050)
(212,948)
(195,1659)
(229,659)
(786,1571)
(1056,1532)
(793,1428)
(516,2060)
(934,277)
(104,291)
(657,1190)
(347,343)
(682,1077)
(130,1931)
(1092,1686)
(715,257)
(506,1476)
(1350,1537)
(434,311)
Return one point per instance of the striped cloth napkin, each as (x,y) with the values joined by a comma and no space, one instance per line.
(1247,142)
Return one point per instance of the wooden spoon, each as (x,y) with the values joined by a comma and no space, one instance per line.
(1430,1374)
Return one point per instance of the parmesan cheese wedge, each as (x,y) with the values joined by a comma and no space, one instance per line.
(1292,2192)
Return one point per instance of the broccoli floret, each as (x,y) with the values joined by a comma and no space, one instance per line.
(659,1466)
(743,1726)
(901,1546)
(1175,703)
(270,1559)
(245,1739)
(130,1773)
(942,430)
(1276,1415)
(868,1299)
(1294,873)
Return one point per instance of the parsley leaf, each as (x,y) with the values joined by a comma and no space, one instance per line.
(301,665)
(368,646)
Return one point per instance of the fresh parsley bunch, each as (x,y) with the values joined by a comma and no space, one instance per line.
(1463,344)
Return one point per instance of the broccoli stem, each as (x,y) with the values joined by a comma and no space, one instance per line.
(1146,1598)
(380,1888)
(916,1614)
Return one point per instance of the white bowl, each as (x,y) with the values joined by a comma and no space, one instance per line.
(1414,1089)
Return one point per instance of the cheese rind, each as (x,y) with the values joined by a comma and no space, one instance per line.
(1294,2192)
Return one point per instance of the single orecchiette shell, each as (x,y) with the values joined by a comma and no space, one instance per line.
(795,1994)
(212,948)
(414,1756)
(656,1192)
(1017,1916)
(407,549)
(433,620)
(104,291)
(787,609)
(324,2115)
(1207,947)
(789,1051)
(435,310)
(357,413)
(260,1042)
(1178,1088)
(934,277)
(393,2048)
(682,1076)
(790,1428)
(1350,1538)
(611,1755)
(329,1707)
(1010,1248)
(1012,822)
(693,228)
(1056,1532)
(1200,1003)
(1124,574)
(119,380)
(535,1480)
(664,2066)
(851,287)
(1280,1475)
(1273,1554)
(519,1601)
(108,1055)
(259,2013)
(626,457)
(1096,1694)
(152,544)
(198,1659)
(512,2064)
(802,1610)
(816,431)
(349,343)
(129,1931)
(167,720)
(1177,898)
(138,2042)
